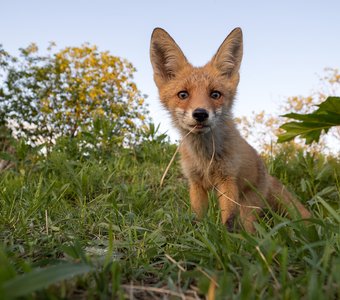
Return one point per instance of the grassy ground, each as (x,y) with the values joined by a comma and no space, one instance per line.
(103,228)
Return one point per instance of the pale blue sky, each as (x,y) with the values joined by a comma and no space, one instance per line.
(287,44)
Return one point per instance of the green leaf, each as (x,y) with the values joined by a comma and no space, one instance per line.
(331,210)
(312,125)
(331,104)
(41,278)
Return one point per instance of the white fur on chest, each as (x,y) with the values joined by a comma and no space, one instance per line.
(201,162)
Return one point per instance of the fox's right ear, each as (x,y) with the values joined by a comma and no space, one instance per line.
(166,56)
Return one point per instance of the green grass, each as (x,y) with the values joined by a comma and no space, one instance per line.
(82,228)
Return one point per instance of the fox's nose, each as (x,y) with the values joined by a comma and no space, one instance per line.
(200,114)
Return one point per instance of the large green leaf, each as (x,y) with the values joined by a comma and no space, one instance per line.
(41,278)
(312,125)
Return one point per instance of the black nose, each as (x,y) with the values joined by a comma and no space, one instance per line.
(200,114)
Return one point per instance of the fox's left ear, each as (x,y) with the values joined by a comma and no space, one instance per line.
(229,56)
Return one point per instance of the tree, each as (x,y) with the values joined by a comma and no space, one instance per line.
(68,93)
(262,129)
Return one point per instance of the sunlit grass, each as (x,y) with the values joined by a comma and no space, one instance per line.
(104,228)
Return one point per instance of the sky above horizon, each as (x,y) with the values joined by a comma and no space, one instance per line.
(287,44)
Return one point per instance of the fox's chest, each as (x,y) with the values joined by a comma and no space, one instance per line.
(205,170)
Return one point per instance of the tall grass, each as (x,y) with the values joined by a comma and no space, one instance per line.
(80,227)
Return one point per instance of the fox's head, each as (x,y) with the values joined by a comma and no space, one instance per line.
(202,97)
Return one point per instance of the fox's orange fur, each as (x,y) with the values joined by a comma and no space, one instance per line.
(214,155)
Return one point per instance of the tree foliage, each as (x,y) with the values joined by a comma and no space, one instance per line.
(69,93)
(262,128)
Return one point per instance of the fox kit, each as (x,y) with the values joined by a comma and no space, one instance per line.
(213,154)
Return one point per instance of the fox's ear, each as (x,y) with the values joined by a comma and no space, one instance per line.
(228,57)
(166,57)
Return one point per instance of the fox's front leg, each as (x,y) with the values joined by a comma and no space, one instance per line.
(228,197)
(198,199)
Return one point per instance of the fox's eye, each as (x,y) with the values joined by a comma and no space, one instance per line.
(183,95)
(215,95)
